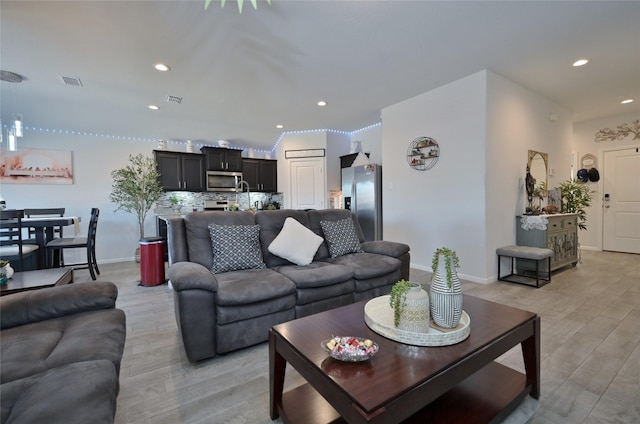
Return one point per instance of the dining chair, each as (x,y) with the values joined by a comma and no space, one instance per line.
(44,212)
(12,246)
(89,243)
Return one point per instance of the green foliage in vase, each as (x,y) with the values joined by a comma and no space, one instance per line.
(448,256)
(136,188)
(398,299)
(576,197)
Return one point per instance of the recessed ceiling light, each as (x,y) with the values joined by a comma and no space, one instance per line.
(322,103)
(153,107)
(279,126)
(580,62)
(626,101)
(162,67)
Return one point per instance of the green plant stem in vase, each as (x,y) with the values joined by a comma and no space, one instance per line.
(449,255)
(398,298)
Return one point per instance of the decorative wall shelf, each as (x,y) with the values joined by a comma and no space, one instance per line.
(423,153)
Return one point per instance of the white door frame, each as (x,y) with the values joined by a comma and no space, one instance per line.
(599,197)
(319,191)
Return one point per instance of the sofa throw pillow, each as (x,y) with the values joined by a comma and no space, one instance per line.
(235,247)
(295,243)
(341,237)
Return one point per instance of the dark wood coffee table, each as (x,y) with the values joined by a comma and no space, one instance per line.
(404,383)
(33,280)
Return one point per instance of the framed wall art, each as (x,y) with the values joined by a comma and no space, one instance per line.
(36,166)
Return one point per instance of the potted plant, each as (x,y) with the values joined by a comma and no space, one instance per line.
(446,291)
(576,197)
(449,256)
(398,298)
(176,204)
(136,188)
(410,304)
(6,272)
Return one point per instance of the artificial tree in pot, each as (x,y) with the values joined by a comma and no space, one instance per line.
(136,188)
(576,198)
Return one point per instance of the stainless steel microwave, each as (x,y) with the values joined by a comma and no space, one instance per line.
(224,181)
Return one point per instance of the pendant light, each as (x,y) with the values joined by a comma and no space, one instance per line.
(16,129)
(17,124)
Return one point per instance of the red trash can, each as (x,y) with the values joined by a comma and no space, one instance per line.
(151,261)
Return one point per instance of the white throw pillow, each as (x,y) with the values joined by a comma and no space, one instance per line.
(295,243)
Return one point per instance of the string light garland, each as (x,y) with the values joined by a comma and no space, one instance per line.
(179,142)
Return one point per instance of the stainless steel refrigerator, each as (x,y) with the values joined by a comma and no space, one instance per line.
(362,194)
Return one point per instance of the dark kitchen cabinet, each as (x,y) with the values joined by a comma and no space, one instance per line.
(219,159)
(180,171)
(261,174)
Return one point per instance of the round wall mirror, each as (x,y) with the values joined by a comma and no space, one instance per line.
(538,167)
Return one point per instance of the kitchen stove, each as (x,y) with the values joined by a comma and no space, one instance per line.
(216,205)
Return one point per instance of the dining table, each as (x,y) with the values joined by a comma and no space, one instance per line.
(43,228)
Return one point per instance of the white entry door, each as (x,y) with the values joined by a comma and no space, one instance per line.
(307,183)
(621,201)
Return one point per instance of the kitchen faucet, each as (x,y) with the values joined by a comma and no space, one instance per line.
(239,185)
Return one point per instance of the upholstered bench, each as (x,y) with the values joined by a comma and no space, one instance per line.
(526,253)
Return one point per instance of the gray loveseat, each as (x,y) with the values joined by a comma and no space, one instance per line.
(61,350)
(218,312)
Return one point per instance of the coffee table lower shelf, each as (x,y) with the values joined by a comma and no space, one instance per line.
(488,396)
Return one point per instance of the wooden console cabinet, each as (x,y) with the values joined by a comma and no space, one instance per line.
(561,236)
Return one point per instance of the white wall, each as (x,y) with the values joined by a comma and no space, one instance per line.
(338,144)
(518,120)
(583,143)
(445,205)
(370,139)
(93,160)
(485,124)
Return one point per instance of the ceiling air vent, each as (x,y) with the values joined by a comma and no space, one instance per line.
(174,99)
(73,82)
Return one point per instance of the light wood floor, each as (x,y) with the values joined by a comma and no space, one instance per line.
(590,351)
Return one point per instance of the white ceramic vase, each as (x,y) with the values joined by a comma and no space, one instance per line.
(6,272)
(9,271)
(415,314)
(445,301)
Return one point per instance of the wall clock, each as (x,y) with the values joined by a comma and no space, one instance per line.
(423,153)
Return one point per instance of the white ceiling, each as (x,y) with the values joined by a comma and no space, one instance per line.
(241,74)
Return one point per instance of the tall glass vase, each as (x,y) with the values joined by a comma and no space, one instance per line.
(445,301)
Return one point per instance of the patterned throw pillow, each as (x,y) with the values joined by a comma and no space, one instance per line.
(341,237)
(235,247)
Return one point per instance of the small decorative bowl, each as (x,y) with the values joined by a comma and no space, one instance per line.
(350,349)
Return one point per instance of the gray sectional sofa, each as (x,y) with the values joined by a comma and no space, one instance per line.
(60,354)
(230,287)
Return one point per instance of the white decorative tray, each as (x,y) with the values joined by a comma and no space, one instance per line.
(379,317)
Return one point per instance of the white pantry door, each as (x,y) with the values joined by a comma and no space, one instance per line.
(621,202)
(307,183)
